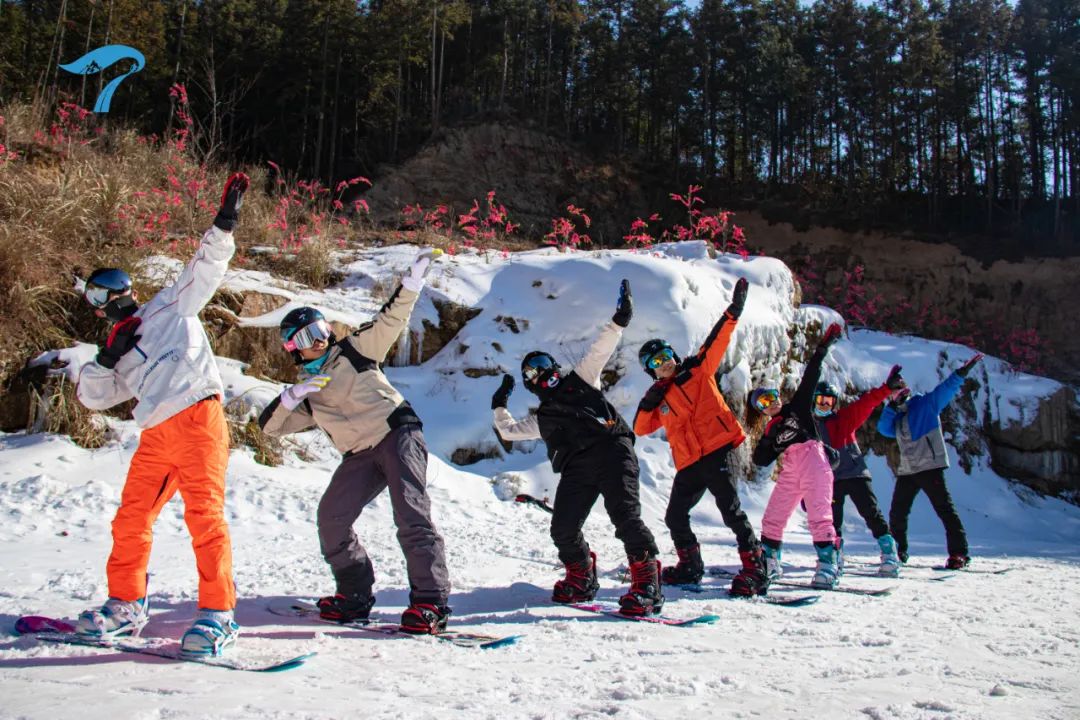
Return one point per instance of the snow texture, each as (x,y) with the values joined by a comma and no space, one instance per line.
(969,646)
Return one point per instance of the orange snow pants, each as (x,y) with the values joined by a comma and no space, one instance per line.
(188,452)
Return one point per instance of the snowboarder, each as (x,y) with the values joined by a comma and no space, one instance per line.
(592,448)
(851,477)
(159,354)
(686,401)
(342,389)
(805,473)
(915,423)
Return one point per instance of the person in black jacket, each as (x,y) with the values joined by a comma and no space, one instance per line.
(592,448)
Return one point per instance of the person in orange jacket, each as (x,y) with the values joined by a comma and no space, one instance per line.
(159,354)
(686,401)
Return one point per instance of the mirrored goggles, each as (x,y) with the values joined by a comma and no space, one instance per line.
(98,296)
(824,402)
(536,366)
(766,399)
(659,358)
(308,335)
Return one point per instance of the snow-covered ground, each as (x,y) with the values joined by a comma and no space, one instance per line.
(968,646)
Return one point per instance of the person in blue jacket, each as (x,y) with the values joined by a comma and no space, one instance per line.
(916,424)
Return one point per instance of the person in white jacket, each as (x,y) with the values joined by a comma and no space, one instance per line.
(159,354)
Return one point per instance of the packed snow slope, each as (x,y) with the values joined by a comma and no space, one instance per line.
(964,645)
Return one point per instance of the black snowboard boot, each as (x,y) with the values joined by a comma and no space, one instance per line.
(425,619)
(689,569)
(345,608)
(643,597)
(580,584)
(751,579)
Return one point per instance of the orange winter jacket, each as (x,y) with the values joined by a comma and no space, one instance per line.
(693,412)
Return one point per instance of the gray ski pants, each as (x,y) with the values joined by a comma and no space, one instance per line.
(399,462)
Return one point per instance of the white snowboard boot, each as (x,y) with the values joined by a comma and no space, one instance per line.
(213,632)
(114,619)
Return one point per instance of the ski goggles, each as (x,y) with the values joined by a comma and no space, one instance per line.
(659,358)
(536,366)
(105,284)
(825,403)
(764,399)
(308,335)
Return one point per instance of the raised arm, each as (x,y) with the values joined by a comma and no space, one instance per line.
(375,339)
(599,353)
(803,400)
(202,276)
(851,417)
(716,344)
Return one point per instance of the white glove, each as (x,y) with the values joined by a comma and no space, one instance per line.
(295,394)
(414,281)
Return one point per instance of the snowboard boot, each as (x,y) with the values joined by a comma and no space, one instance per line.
(213,632)
(957,562)
(114,619)
(425,619)
(346,608)
(890,561)
(771,549)
(688,571)
(825,575)
(839,555)
(580,584)
(752,578)
(643,597)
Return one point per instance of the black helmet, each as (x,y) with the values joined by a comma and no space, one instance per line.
(538,370)
(300,319)
(651,348)
(826,390)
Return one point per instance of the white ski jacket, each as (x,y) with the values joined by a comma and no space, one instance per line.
(172,366)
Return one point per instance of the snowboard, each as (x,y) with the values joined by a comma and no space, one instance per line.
(612,610)
(796,601)
(60,631)
(866,592)
(301,608)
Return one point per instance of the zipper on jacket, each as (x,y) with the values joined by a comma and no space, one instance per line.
(722,423)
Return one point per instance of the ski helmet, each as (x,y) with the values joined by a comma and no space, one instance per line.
(539,370)
(303,318)
(825,390)
(763,397)
(109,290)
(652,348)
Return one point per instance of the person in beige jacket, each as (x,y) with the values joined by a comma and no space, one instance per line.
(343,390)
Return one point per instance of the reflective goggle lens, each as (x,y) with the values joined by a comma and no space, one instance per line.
(537,365)
(307,336)
(96,295)
(825,402)
(767,399)
(661,357)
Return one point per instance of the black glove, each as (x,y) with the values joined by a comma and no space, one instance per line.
(624,310)
(833,455)
(894,381)
(121,340)
(832,334)
(498,400)
(653,397)
(738,299)
(232,197)
(964,369)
